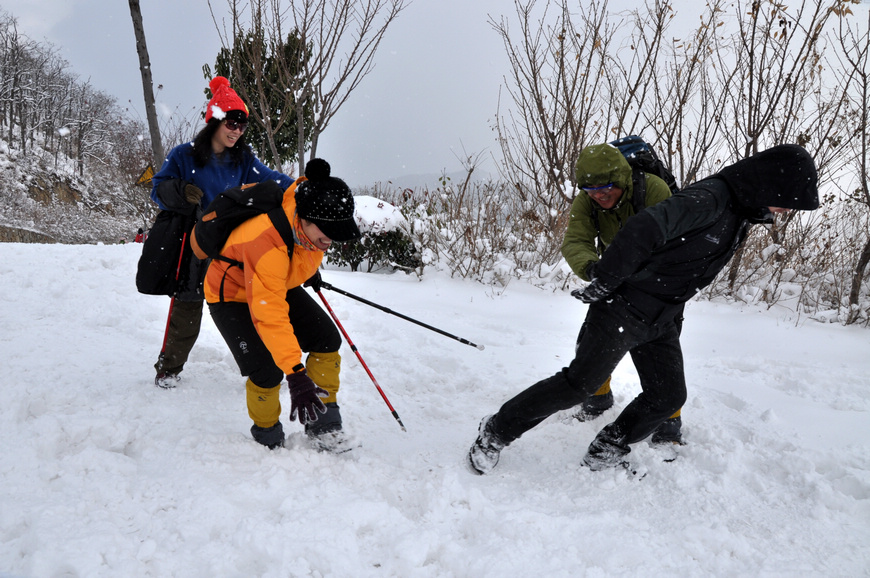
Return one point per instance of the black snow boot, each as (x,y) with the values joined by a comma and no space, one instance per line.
(167,379)
(669,432)
(484,453)
(607,450)
(326,434)
(271,437)
(593,406)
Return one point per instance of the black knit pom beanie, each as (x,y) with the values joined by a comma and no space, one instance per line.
(327,202)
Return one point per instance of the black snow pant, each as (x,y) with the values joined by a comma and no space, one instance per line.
(609,332)
(181,334)
(185,319)
(312,326)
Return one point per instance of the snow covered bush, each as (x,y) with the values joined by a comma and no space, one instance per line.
(479,230)
(385,239)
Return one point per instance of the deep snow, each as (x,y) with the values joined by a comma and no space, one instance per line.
(103,474)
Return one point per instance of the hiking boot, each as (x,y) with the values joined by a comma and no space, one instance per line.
(333,442)
(669,432)
(593,406)
(326,434)
(327,422)
(606,451)
(271,437)
(167,380)
(483,455)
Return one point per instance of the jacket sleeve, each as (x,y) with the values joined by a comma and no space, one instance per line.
(258,172)
(266,289)
(168,186)
(690,209)
(578,246)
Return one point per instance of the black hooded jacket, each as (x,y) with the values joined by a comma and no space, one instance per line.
(669,252)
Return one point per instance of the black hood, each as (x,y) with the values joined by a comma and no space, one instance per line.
(783,176)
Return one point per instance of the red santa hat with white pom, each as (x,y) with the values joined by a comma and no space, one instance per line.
(224,101)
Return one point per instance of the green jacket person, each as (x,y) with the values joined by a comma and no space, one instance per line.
(605,203)
(660,259)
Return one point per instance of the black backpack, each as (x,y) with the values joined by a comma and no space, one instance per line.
(164,265)
(233,207)
(642,159)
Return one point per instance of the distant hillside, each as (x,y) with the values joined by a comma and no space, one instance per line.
(45,200)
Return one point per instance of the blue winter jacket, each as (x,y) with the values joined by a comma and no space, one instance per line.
(217,176)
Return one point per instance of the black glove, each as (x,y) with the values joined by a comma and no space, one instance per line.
(595,291)
(315,282)
(192,194)
(305,397)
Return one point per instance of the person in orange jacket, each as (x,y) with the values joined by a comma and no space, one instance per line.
(268,319)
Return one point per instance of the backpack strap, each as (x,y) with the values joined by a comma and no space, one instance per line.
(599,244)
(638,196)
(638,202)
(282,225)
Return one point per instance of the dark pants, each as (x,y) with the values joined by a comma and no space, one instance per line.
(186,318)
(312,326)
(608,333)
(184,325)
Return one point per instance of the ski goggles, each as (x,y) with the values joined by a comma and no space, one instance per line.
(602,190)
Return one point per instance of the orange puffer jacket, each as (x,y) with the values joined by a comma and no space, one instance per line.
(263,283)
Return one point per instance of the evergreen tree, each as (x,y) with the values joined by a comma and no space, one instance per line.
(258,72)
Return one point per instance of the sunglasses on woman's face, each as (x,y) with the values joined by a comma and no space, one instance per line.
(236,125)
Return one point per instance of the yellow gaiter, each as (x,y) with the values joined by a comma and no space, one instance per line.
(264,407)
(605,387)
(323,369)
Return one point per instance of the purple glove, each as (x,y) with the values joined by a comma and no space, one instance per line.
(305,397)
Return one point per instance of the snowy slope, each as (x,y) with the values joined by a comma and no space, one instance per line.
(103,474)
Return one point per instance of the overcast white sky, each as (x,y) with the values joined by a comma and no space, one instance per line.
(432,95)
(434,89)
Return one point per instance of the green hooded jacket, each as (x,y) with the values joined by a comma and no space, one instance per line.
(599,165)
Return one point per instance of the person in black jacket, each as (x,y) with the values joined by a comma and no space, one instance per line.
(658,261)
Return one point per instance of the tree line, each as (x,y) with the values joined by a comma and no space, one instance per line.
(749,74)
(46,108)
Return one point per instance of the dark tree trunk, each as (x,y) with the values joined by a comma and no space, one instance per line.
(147,86)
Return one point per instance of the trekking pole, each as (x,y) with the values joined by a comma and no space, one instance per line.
(172,303)
(405,317)
(366,367)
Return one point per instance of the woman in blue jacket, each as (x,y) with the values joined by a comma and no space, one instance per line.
(192,176)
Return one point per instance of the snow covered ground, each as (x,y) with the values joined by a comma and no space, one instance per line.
(103,474)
